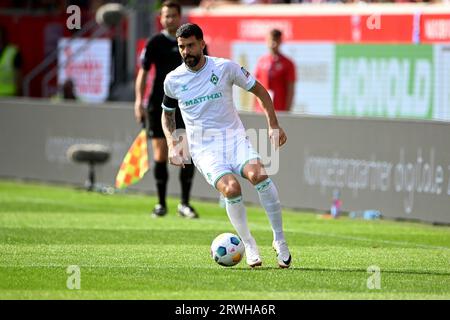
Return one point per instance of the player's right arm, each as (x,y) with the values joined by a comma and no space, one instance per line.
(169,126)
(139,108)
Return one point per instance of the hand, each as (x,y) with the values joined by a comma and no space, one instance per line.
(176,153)
(139,112)
(277,136)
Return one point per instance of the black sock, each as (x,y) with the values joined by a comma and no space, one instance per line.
(186,175)
(161,177)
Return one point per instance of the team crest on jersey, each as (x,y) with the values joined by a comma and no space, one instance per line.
(214,79)
(184,87)
(245,72)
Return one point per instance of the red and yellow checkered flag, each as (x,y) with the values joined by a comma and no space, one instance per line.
(135,163)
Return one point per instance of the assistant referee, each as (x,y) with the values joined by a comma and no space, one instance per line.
(161,51)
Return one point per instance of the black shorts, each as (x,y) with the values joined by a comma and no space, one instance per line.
(155,129)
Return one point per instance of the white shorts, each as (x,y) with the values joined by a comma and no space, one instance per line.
(217,162)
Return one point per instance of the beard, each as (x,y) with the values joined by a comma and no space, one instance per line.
(191,61)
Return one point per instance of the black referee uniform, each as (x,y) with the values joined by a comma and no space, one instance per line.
(162,51)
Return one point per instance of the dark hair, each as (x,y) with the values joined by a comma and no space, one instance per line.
(275,34)
(188,30)
(172,4)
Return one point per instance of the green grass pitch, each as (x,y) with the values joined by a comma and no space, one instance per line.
(123,253)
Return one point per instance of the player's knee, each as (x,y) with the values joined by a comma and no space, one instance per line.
(232,189)
(256,177)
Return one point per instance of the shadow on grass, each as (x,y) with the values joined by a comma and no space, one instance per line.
(347,270)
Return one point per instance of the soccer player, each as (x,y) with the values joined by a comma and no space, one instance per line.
(276,72)
(201,88)
(162,51)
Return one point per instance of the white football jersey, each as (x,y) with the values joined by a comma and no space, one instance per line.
(205,99)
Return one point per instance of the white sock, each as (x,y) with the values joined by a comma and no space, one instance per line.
(268,196)
(238,217)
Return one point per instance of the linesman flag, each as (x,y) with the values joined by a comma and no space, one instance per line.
(135,163)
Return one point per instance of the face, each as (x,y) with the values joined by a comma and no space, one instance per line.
(170,19)
(273,43)
(191,50)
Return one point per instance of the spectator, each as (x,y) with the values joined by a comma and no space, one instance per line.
(10,67)
(209,4)
(277,73)
(66,91)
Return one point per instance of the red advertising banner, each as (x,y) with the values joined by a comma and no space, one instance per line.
(435,28)
(88,64)
(385,28)
(220,31)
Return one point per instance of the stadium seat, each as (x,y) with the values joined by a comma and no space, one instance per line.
(92,154)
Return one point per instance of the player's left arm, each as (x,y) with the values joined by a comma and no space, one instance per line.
(276,133)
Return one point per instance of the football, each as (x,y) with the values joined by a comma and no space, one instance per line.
(227,249)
